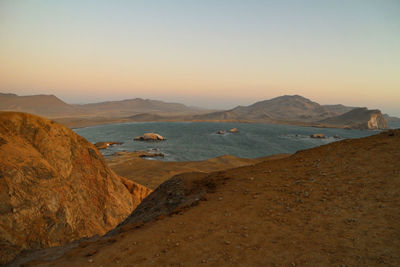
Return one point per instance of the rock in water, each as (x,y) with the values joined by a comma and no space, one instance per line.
(319,135)
(55,187)
(150,137)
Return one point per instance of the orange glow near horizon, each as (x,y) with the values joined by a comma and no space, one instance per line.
(204,58)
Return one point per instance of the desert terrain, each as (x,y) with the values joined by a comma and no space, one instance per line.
(151,173)
(334,205)
(199,133)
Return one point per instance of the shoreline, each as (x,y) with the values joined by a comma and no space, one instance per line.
(79,123)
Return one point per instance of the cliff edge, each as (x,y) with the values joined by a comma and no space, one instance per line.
(55,187)
(359,118)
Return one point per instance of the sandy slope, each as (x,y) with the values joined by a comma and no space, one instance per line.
(335,205)
(151,173)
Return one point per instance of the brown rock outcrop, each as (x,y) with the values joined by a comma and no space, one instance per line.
(359,118)
(150,137)
(104,145)
(55,187)
(138,192)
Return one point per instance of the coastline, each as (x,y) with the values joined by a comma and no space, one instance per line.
(77,122)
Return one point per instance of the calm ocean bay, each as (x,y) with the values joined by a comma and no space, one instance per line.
(194,141)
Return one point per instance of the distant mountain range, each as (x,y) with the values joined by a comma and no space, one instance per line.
(287,109)
(283,108)
(53,107)
(129,107)
(45,105)
(295,109)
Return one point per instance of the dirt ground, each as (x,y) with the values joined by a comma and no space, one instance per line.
(335,205)
(151,173)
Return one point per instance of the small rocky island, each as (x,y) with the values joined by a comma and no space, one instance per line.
(317,135)
(233,130)
(150,137)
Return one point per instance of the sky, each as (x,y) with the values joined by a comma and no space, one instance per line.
(213,54)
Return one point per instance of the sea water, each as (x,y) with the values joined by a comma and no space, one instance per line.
(194,141)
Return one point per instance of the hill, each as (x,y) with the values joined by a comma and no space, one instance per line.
(334,205)
(359,118)
(338,108)
(298,110)
(288,109)
(147,117)
(391,118)
(135,106)
(45,105)
(55,187)
(52,107)
(283,108)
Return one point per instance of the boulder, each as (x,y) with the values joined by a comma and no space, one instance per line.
(55,186)
(319,135)
(233,130)
(150,137)
(104,145)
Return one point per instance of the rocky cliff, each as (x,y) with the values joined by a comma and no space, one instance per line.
(55,187)
(359,118)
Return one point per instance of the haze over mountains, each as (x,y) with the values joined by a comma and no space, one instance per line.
(45,105)
(51,106)
(287,109)
(283,108)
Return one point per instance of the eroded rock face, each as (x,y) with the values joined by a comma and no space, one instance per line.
(359,118)
(377,121)
(55,187)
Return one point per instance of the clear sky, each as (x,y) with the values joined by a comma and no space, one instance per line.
(215,54)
